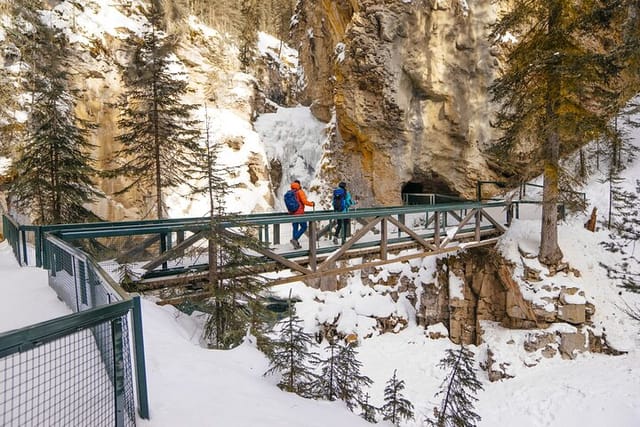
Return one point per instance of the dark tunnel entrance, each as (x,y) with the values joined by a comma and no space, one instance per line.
(427,192)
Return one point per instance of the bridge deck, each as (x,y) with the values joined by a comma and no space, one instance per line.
(373,234)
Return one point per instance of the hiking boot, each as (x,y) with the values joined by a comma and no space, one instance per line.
(335,240)
(295,244)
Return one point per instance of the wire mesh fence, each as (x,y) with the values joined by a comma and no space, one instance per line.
(77,279)
(57,374)
(70,371)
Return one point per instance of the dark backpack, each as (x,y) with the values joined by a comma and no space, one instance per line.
(291,200)
(339,195)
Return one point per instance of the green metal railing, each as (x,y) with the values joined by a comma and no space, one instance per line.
(273,230)
(74,370)
(522,191)
(11,230)
(84,286)
(159,247)
(428,198)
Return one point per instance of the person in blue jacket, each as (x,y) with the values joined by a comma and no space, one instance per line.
(342,201)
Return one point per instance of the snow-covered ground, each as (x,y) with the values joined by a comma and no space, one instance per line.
(192,386)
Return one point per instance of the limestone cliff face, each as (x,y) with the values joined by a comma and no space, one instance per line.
(211,65)
(408,84)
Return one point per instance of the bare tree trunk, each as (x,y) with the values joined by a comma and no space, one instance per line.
(550,253)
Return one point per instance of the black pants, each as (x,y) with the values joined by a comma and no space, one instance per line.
(340,224)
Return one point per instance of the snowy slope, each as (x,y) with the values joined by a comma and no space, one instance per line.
(193,386)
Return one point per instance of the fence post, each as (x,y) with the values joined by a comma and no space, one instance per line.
(118,371)
(436,228)
(163,248)
(23,237)
(138,354)
(39,244)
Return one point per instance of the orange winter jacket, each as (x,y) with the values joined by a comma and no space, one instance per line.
(302,198)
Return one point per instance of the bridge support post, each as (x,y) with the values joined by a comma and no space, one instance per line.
(163,248)
(180,239)
(328,282)
(313,241)
(383,239)
(436,229)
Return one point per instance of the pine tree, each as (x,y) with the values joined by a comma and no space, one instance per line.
(368,411)
(630,51)
(291,355)
(340,376)
(158,134)
(236,306)
(127,276)
(555,93)
(8,124)
(326,385)
(395,407)
(632,312)
(625,233)
(248,33)
(284,11)
(54,170)
(458,390)
(237,290)
(351,381)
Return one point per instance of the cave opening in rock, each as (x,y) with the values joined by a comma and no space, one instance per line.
(412,193)
(426,190)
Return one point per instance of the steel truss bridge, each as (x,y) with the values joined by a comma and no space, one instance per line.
(374,237)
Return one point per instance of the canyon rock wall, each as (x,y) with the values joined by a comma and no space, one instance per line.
(407,82)
(217,89)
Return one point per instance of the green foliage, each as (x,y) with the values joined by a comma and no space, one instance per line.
(368,411)
(351,381)
(236,305)
(158,135)
(208,172)
(625,233)
(291,355)
(556,70)
(9,127)
(326,384)
(248,33)
(54,169)
(273,16)
(557,91)
(396,407)
(340,376)
(458,391)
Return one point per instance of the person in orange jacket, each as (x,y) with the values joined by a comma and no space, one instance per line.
(299,227)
